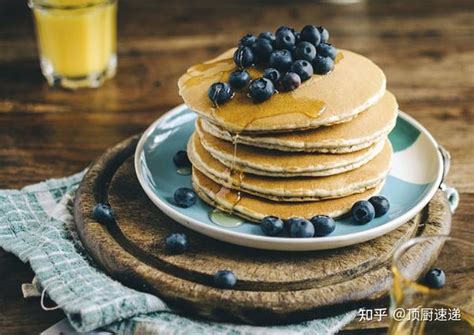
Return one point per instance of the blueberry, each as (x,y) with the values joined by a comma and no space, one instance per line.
(220,93)
(176,243)
(305,51)
(381,205)
(103,213)
(322,65)
(269,36)
(272,74)
(323,225)
(285,38)
(184,197)
(324,34)
(300,228)
(239,79)
(225,279)
(302,68)
(311,34)
(247,41)
(290,81)
(434,278)
(263,49)
(261,89)
(326,50)
(181,159)
(243,57)
(297,37)
(281,28)
(280,60)
(363,212)
(271,225)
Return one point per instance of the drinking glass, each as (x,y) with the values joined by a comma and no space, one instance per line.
(419,309)
(76,41)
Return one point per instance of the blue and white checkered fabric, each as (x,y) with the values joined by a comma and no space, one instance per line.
(36,224)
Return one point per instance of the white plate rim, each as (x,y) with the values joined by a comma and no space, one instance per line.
(283,243)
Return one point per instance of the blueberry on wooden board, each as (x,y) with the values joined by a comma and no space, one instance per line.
(103,213)
(225,279)
(176,243)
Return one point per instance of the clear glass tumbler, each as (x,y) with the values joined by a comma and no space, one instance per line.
(419,308)
(77,41)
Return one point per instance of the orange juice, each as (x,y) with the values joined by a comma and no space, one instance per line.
(76,40)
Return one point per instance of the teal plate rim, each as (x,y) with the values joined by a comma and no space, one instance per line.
(407,127)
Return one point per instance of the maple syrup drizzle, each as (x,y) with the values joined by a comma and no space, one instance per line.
(240,112)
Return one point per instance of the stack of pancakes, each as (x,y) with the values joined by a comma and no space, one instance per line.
(313,151)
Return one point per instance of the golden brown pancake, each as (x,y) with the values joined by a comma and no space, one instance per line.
(284,164)
(361,132)
(254,208)
(295,188)
(355,84)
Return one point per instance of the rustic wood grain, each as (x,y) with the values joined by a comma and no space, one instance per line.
(306,285)
(425,48)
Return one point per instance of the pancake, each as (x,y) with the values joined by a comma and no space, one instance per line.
(283,164)
(354,85)
(296,188)
(361,132)
(254,208)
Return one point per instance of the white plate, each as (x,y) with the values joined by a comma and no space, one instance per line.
(415,176)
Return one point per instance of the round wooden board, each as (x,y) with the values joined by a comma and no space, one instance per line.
(273,287)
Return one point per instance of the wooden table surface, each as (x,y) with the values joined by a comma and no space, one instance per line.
(424,47)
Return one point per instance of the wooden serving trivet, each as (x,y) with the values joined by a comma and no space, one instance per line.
(273,286)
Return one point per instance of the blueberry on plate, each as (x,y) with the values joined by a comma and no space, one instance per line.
(261,89)
(326,50)
(220,93)
(302,68)
(362,212)
(176,243)
(239,79)
(324,34)
(184,197)
(300,228)
(243,57)
(103,213)
(280,60)
(322,65)
(272,74)
(285,38)
(181,159)
(268,35)
(381,205)
(305,51)
(310,34)
(272,225)
(247,41)
(290,81)
(225,279)
(263,49)
(434,278)
(323,225)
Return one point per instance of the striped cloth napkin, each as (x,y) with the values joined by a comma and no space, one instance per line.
(36,224)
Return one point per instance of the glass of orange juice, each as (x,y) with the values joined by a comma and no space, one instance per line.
(77,41)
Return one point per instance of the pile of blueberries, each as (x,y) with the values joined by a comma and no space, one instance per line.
(362,212)
(288,59)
